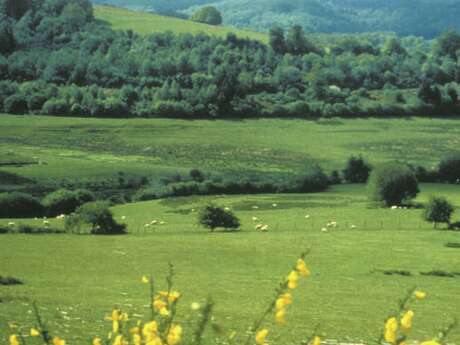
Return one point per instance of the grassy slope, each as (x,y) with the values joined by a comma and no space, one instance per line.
(146,23)
(86,276)
(96,148)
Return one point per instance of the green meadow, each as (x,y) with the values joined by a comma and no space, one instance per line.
(78,279)
(146,23)
(54,148)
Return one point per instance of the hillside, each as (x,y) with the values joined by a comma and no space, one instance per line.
(405,17)
(147,23)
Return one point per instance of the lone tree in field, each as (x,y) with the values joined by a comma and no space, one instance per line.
(208,15)
(392,184)
(449,169)
(357,170)
(438,210)
(213,217)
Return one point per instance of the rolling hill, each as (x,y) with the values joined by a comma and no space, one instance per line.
(405,17)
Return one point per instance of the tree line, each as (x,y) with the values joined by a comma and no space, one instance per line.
(57,59)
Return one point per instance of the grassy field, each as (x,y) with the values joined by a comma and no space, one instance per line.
(79,148)
(146,23)
(78,279)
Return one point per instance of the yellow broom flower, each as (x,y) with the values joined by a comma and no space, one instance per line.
(145,280)
(58,341)
(280,317)
(293,279)
(302,268)
(119,340)
(316,341)
(137,339)
(34,332)
(97,341)
(406,321)
(159,304)
(173,296)
(420,294)
(430,342)
(14,340)
(260,337)
(174,335)
(391,326)
(150,330)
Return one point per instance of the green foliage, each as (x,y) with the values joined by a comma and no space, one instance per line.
(208,15)
(97,215)
(449,169)
(19,205)
(392,184)
(357,170)
(64,201)
(438,210)
(213,217)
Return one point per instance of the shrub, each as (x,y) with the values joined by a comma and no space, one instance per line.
(438,210)
(208,15)
(19,205)
(449,169)
(10,281)
(213,217)
(145,194)
(313,180)
(97,215)
(64,201)
(392,184)
(197,175)
(357,170)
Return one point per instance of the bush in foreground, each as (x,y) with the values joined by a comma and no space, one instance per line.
(19,205)
(213,217)
(438,210)
(98,217)
(357,170)
(392,184)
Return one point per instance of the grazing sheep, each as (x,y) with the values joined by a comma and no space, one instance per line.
(264,228)
(275,205)
(307,216)
(255,219)
(154,222)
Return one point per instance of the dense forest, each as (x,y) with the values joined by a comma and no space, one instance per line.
(57,59)
(426,18)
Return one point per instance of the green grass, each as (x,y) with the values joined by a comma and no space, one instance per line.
(146,23)
(79,148)
(347,294)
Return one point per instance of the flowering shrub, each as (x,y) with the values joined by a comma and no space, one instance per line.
(161,327)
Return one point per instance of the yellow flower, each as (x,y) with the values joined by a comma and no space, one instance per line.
(58,341)
(145,280)
(280,317)
(173,296)
(406,320)
(232,335)
(391,326)
(119,340)
(159,304)
(316,341)
(283,301)
(14,340)
(97,341)
(302,268)
(155,341)
(420,294)
(150,330)
(137,339)
(116,315)
(135,330)
(164,312)
(34,332)
(430,342)
(293,279)
(260,337)
(115,326)
(174,335)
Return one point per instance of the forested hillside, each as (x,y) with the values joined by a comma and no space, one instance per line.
(58,60)
(405,17)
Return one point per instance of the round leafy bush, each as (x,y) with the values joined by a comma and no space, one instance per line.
(392,184)
(208,15)
(98,216)
(19,205)
(449,169)
(213,217)
(438,210)
(64,201)
(357,170)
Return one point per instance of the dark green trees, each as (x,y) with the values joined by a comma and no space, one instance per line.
(438,210)
(208,15)
(213,217)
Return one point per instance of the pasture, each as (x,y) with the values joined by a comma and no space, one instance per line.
(55,149)
(77,279)
(145,23)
